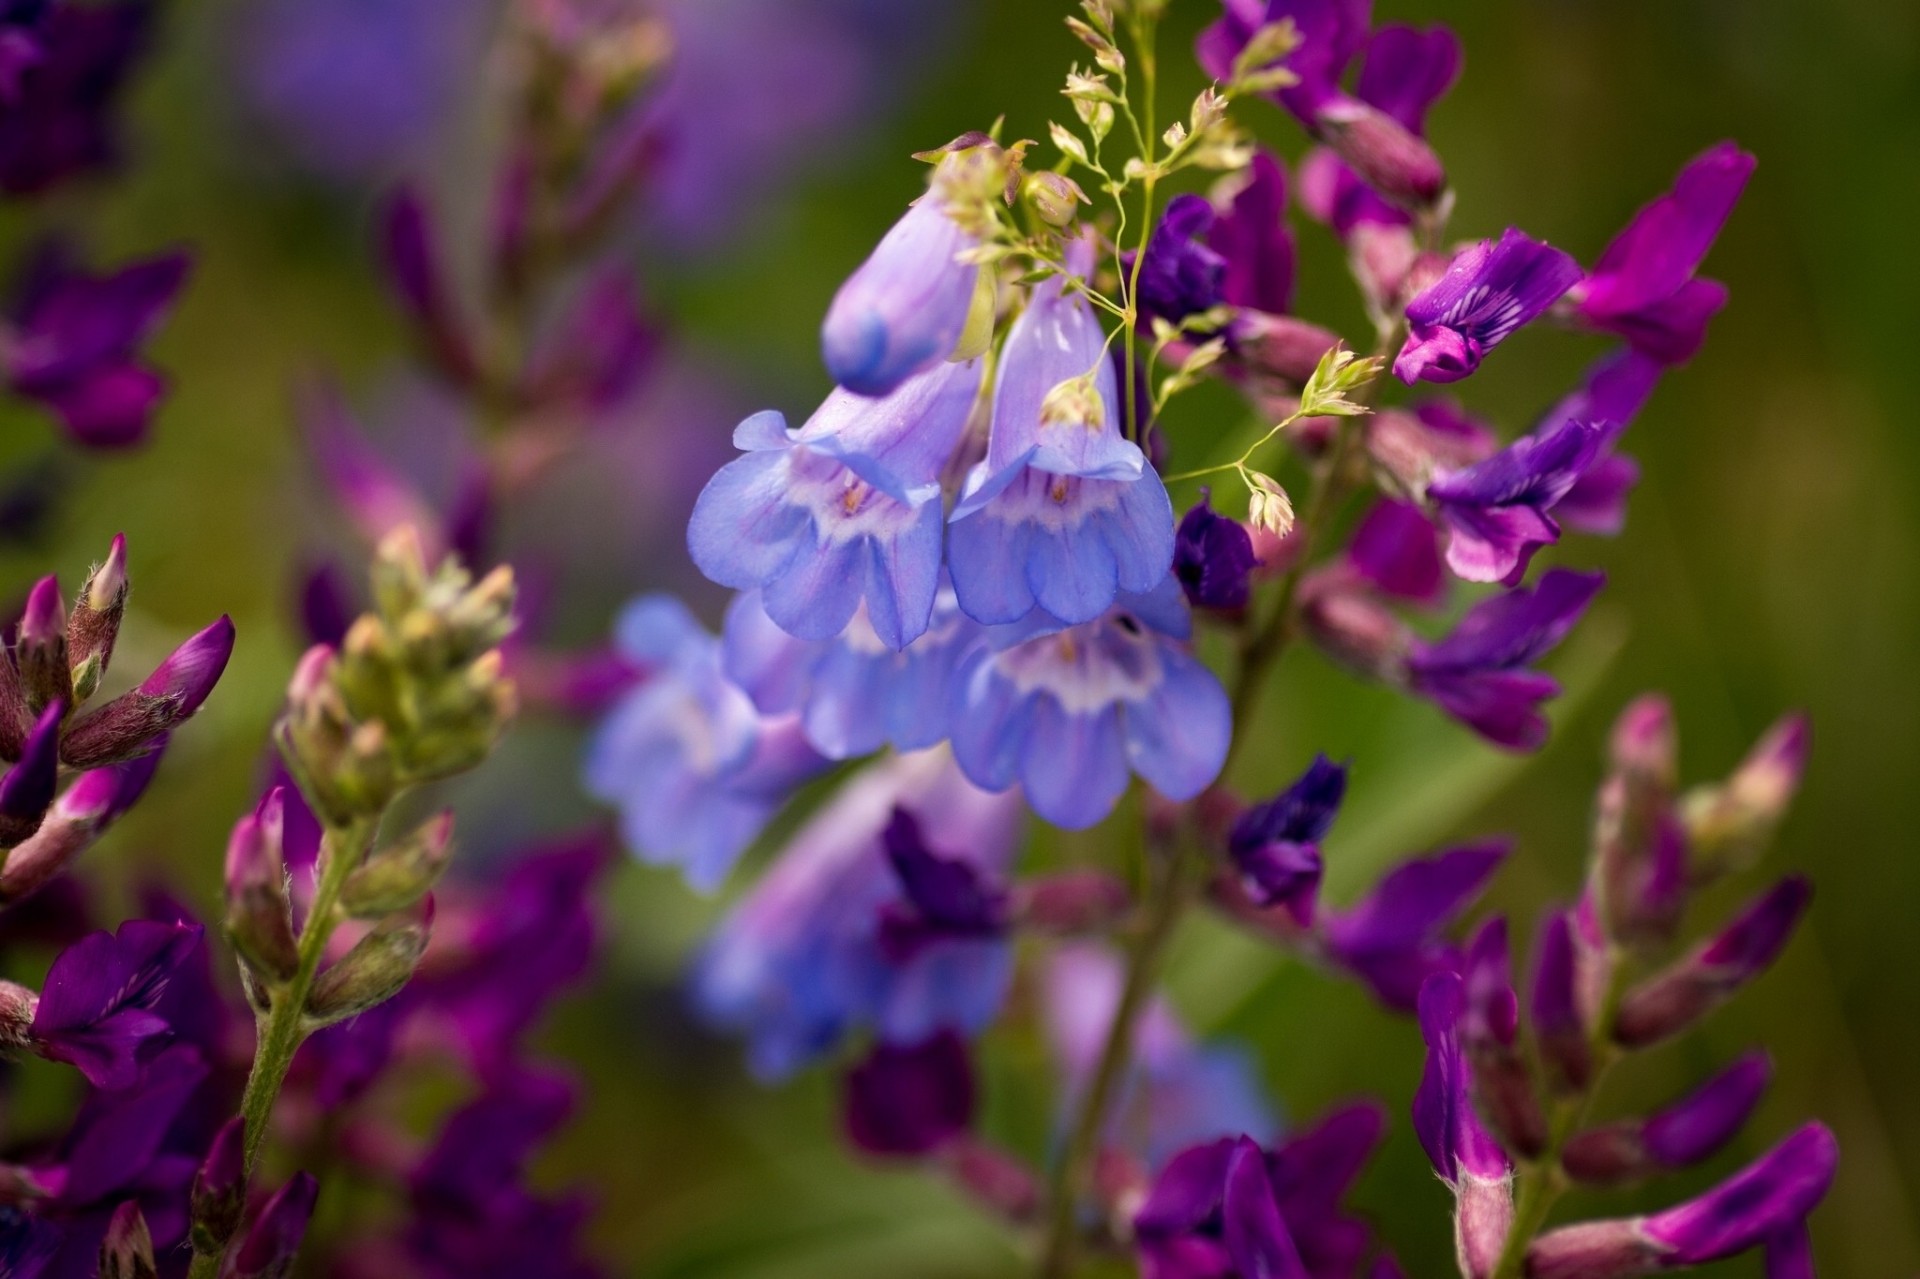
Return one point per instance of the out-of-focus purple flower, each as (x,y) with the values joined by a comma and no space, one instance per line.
(1250,233)
(1182,274)
(96,1011)
(1064,512)
(1490,289)
(1213,558)
(1684,1133)
(1462,1151)
(1699,982)
(1068,711)
(842,512)
(1177,1092)
(852,693)
(1489,1031)
(1331,33)
(410,250)
(73,342)
(1396,551)
(1767,1200)
(1276,845)
(910,1099)
(1790,1253)
(59,122)
(803,960)
(1498,512)
(944,898)
(370,492)
(268,1248)
(1644,287)
(1390,938)
(133,723)
(695,770)
(601,349)
(903,311)
(1478,673)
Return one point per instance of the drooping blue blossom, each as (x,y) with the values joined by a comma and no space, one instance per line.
(1068,711)
(1479,672)
(804,958)
(1490,289)
(842,512)
(1276,844)
(694,769)
(1498,512)
(1178,1092)
(852,693)
(1064,512)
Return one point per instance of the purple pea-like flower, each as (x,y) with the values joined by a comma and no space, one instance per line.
(853,694)
(910,1099)
(804,958)
(58,123)
(1690,1130)
(74,344)
(1643,286)
(1478,673)
(845,511)
(1213,558)
(1467,1156)
(1489,290)
(1331,33)
(96,1010)
(1177,1092)
(1276,845)
(1390,938)
(1068,711)
(1396,552)
(1063,513)
(904,310)
(1182,274)
(1497,512)
(695,770)
(1250,233)
(1609,396)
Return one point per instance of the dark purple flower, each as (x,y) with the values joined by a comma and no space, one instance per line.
(1686,1132)
(1695,985)
(1491,289)
(1250,233)
(1462,1151)
(1644,287)
(1331,33)
(1213,558)
(1276,845)
(1478,673)
(911,1099)
(1497,512)
(74,344)
(1396,551)
(1182,274)
(1390,938)
(27,789)
(943,898)
(1559,1021)
(96,1011)
(1489,1031)
(1790,1253)
(273,1240)
(1609,396)
(59,123)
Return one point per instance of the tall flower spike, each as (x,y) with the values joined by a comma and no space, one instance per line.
(845,511)
(1064,513)
(1462,1151)
(1068,712)
(905,309)
(1491,289)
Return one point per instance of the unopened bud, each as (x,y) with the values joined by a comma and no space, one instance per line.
(993,1178)
(1389,157)
(126,1252)
(17,1007)
(375,969)
(1503,1085)
(1697,984)
(1074,901)
(42,648)
(1639,875)
(27,789)
(401,874)
(1482,1218)
(95,621)
(1730,825)
(1281,347)
(399,571)
(273,1241)
(75,821)
(127,726)
(259,917)
(220,1188)
(1557,1016)
(1690,1130)
(1054,197)
(1356,631)
(1593,1250)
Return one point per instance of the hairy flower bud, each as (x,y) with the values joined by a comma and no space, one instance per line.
(1729,825)
(41,650)
(95,622)
(1674,999)
(375,969)
(259,916)
(402,873)
(126,1251)
(220,1188)
(1055,197)
(273,1241)
(1392,159)
(128,726)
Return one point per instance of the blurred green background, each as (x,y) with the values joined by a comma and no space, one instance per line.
(1769,563)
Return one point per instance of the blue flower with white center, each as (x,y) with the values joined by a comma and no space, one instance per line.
(1067,711)
(805,958)
(1064,513)
(693,767)
(853,694)
(845,511)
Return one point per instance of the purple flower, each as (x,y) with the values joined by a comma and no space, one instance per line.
(74,343)
(1559,1019)
(945,898)
(1064,512)
(1068,711)
(910,1099)
(1644,287)
(1491,289)
(842,512)
(59,123)
(695,770)
(1182,274)
(1276,845)
(1497,512)
(1331,33)
(1250,233)
(1396,551)
(600,350)
(1213,558)
(803,959)
(853,694)
(97,1009)
(1478,673)
(1609,396)
(410,251)
(1696,984)
(1690,1130)
(904,310)
(1765,1203)
(27,789)
(1389,939)
(1489,1030)
(1462,1151)
(1177,1092)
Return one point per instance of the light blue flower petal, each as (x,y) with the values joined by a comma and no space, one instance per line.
(1073,766)
(1177,739)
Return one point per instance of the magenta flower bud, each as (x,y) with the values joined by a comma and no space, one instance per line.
(45,620)
(1558,1020)
(1644,742)
(259,916)
(1685,1133)
(192,670)
(27,789)
(273,1241)
(910,1100)
(1767,1197)
(128,726)
(220,1188)
(1391,158)
(41,651)
(1697,984)
(127,1250)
